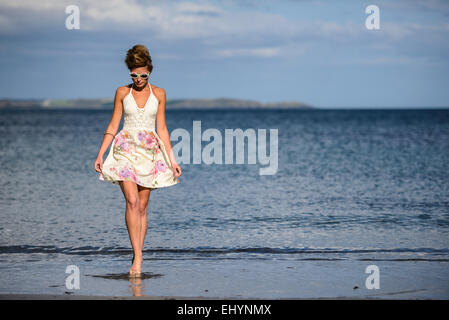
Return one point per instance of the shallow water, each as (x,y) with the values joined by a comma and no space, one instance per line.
(353,188)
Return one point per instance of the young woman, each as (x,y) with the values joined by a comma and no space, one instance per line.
(140,159)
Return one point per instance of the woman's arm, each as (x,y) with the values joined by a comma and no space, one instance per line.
(161,126)
(114,123)
(162,130)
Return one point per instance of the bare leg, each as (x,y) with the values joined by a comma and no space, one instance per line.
(144,196)
(133,222)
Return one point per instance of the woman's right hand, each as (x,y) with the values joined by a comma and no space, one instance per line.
(98,165)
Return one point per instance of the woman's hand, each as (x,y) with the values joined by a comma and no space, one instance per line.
(176,169)
(98,165)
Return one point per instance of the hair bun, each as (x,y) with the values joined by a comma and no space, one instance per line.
(139,56)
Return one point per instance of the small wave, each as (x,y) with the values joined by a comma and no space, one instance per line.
(90,250)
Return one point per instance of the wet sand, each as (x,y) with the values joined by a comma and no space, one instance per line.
(230,279)
(88,297)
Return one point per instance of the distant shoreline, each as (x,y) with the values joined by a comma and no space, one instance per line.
(107,104)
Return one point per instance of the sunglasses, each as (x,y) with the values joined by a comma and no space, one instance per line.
(135,75)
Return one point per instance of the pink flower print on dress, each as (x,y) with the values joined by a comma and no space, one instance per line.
(153,171)
(141,135)
(127,173)
(133,174)
(161,166)
(157,147)
(150,142)
(124,173)
(120,142)
(146,140)
(125,147)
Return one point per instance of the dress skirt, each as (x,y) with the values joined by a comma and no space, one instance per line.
(138,155)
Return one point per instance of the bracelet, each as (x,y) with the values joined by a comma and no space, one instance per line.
(108,133)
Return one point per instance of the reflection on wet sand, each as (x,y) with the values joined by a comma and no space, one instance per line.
(136,283)
(136,286)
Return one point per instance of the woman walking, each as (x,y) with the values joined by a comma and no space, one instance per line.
(140,159)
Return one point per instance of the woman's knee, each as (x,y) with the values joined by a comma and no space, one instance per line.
(133,202)
(143,208)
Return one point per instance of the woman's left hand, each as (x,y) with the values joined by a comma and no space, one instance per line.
(176,169)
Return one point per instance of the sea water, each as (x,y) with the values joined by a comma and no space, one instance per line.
(353,188)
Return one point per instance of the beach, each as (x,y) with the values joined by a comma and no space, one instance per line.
(249,278)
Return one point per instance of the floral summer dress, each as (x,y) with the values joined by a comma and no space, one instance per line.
(137,153)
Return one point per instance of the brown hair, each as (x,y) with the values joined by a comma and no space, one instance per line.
(138,56)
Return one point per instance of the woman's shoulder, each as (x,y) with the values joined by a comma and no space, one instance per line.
(125,87)
(121,92)
(158,92)
(124,90)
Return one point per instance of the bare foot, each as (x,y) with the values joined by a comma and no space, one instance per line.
(135,269)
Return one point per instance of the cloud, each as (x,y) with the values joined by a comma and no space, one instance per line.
(256,52)
(439,5)
(204,9)
(168,20)
(113,12)
(213,31)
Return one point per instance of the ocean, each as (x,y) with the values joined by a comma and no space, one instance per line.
(353,189)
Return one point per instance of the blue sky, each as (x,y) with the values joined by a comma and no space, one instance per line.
(317,52)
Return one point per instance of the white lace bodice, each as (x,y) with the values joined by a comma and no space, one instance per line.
(140,118)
